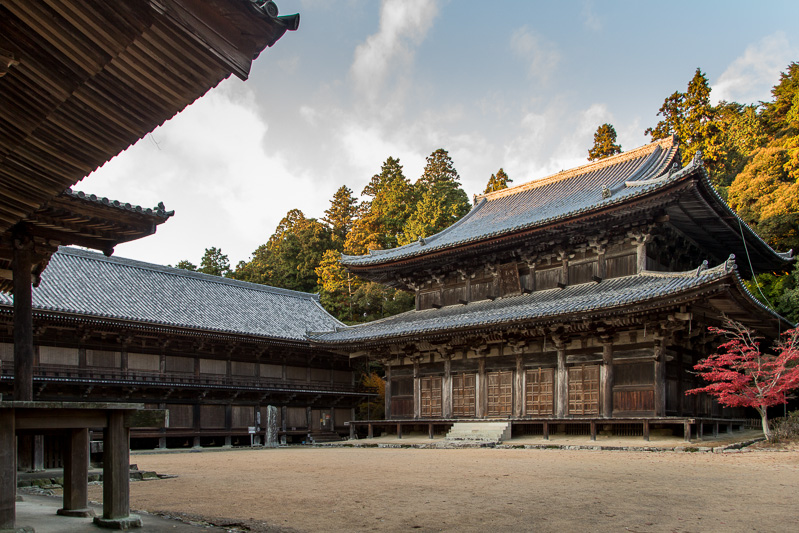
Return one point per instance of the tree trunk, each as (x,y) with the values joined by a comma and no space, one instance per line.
(764,419)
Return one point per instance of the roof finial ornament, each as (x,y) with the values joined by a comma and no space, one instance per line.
(698,158)
(704,266)
(605,192)
(421,241)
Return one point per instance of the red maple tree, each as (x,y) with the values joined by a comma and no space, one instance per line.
(740,375)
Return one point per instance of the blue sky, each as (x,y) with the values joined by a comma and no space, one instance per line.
(521,85)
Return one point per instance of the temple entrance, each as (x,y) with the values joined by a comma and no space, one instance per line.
(463,395)
(584,390)
(500,394)
(431,397)
(539,397)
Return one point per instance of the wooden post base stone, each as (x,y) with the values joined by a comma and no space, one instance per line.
(127,522)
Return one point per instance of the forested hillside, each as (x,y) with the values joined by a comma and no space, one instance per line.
(751,152)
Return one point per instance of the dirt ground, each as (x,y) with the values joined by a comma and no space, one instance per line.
(383,489)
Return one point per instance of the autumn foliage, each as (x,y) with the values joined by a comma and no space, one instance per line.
(741,375)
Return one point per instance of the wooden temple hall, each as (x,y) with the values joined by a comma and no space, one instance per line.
(81,81)
(575,303)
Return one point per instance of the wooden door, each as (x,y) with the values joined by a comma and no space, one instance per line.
(500,393)
(584,390)
(431,397)
(463,395)
(540,400)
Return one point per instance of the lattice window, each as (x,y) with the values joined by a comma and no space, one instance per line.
(463,394)
(540,398)
(500,393)
(431,397)
(584,390)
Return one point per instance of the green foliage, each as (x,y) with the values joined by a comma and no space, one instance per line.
(373,300)
(786,429)
(604,143)
(690,116)
(780,291)
(341,214)
(497,182)
(215,263)
(441,200)
(186,265)
(337,286)
(290,258)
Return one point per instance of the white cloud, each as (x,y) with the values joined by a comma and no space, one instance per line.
(591,20)
(213,165)
(750,77)
(541,54)
(385,58)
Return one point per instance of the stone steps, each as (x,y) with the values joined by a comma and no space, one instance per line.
(479,432)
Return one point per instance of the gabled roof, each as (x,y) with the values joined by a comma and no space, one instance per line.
(588,191)
(575,302)
(91,286)
(542,201)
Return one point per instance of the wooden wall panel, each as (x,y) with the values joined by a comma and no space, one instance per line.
(298,373)
(320,374)
(212,416)
(242,416)
(342,376)
(213,366)
(539,396)
(482,289)
(179,364)
(633,400)
(181,415)
(52,355)
(241,368)
(271,371)
(144,361)
(624,265)
(428,299)
(296,418)
(454,295)
(102,358)
(582,273)
(6,352)
(547,279)
(342,415)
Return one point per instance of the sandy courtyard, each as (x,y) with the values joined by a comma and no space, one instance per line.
(345,489)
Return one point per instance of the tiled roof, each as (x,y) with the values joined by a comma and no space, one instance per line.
(157,211)
(594,186)
(79,282)
(610,294)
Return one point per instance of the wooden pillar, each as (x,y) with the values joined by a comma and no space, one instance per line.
(23,319)
(197,422)
(480,389)
(687,431)
(545,431)
(76,473)
(518,386)
(646,430)
(446,388)
(284,410)
(116,475)
(417,390)
(388,392)
(8,470)
(606,386)
(660,378)
(593,429)
(228,422)
(562,389)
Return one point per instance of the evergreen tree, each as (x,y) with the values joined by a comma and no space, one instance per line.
(340,215)
(497,182)
(690,116)
(186,265)
(604,143)
(215,263)
(441,200)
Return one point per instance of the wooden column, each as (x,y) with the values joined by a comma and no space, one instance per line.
(116,475)
(446,387)
(23,319)
(417,390)
(518,386)
(660,378)
(480,389)
(606,387)
(562,388)
(388,392)
(8,470)
(76,473)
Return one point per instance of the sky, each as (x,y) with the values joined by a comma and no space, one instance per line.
(518,85)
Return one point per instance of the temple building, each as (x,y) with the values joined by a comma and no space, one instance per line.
(213,352)
(577,299)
